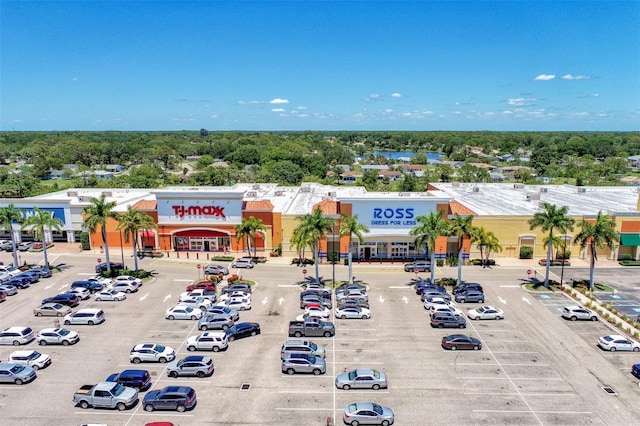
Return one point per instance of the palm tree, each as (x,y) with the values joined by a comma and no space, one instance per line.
(552,218)
(462,228)
(8,216)
(350,226)
(96,214)
(598,234)
(132,223)
(427,231)
(314,227)
(491,244)
(40,222)
(247,229)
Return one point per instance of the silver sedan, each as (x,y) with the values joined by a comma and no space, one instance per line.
(362,378)
(352,312)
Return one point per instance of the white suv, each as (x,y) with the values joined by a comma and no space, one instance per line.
(576,312)
(16,336)
(31,358)
(243,262)
(151,352)
(209,341)
(85,316)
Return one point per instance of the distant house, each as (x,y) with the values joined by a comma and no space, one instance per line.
(103,174)
(412,169)
(404,160)
(114,168)
(505,158)
(369,167)
(453,164)
(390,174)
(348,177)
(496,177)
(634,161)
(193,157)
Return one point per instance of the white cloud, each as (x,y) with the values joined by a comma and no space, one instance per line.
(213,116)
(545,77)
(520,101)
(575,77)
(277,110)
(302,107)
(396,95)
(278,101)
(387,111)
(74,79)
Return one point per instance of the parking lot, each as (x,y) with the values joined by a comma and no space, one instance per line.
(534,368)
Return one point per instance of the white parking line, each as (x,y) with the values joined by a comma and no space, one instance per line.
(359,340)
(182,280)
(533,364)
(288,285)
(515,352)
(510,379)
(525,394)
(525,411)
(304,409)
(400,286)
(356,362)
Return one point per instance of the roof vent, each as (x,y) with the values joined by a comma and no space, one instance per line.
(251,194)
(582,190)
(278,193)
(72,193)
(305,189)
(518,186)
(544,189)
(255,186)
(331,193)
(476,189)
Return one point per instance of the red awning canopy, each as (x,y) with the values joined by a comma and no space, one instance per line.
(147,234)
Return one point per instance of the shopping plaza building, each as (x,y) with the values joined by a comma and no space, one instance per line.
(202,219)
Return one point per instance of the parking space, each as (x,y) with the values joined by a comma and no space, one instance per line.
(535,368)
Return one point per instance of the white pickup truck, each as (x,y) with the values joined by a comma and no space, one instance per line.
(106,395)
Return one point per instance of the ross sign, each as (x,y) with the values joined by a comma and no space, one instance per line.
(395,214)
(304,271)
(99,260)
(198,266)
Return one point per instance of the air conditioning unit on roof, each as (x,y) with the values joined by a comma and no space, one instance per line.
(72,193)
(251,194)
(331,194)
(255,186)
(305,189)
(582,190)
(278,193)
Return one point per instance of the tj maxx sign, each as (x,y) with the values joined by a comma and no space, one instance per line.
(199,211)
(182,211)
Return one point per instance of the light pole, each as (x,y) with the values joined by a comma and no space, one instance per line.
(334,217)
(121,250)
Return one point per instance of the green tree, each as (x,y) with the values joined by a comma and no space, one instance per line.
(96,215)
(132,223)
(350,226)
(370,179)
(491,244)
(427,231)
(600,233)
(461,227)
(8,216)
(40,222)
(248,229)
(551,219)
(314,227)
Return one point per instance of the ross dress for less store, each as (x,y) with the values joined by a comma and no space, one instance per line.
(203,218)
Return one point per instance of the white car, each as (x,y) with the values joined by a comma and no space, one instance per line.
(127,279)
(110,296)
(57,336)
(81,292)
(196,303)
(313,314)
(434,301)
(199,292)
(208,341)
(151,352)
(106,282)
(577,312)
(31,358)
(236,294)
(243,263)
(344,312)
(485,312)
(449,309)
(183,312)
(126,287)
(237,304)
(321,309)
(615,342)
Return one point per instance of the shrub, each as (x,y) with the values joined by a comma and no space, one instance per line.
(629,263)
(526,252)
(440,262)
(488,262)
(84,241)
(564,256)
(625,257)
(305,261)
(223,259)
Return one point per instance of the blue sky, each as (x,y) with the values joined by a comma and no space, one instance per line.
(305,65)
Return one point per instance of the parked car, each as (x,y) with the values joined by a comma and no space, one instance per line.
(428,293)
(428,286)
(362,378)
(179,398)
(303,363)
(432,302)
(315,300)
(236,294)
(90,285)
(193,365)
(199,293)
(242,329)
(208,341)
(24,246)
(213,269)
(52,310)
(470,296)
(326,312)
(3,296)
(127,279)
(105,395)
(16,336)
(615,342)
(202,285)
(88,316)
(577,312)
(183,312)
(351,286)
(235,287)
(485,312)
(461,341)
(16,373)
(352,294)
(33,277)
(20,282)
(137,379)
(448,309)
(82,293)
(312,314)
(344,303)
(635,370)
(57,336)
(68,299)
(125,287)
(243,263)
(102,267)
(301,347)
(43,272)
(215,322)
(151,352)
(419,265)
(367,413)
(196,303)
(467,286)
(237,304)
(110,296)
(225,310)
(352,312)
(448,320)
(30,358)
(8,289)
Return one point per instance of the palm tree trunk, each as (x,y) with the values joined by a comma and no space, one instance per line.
(15,250)
(433,265)
(350,257)
(135,253)
(548,268)
(106,249)
(44,252)
(315,255)
(460,265)
(592,266)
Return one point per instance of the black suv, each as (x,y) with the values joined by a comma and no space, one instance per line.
(448,320)
(68,299)
(102,267)
(92,286)
(467,286)
(138,379)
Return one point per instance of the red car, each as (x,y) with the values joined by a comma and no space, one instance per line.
(2,296)
(207,285)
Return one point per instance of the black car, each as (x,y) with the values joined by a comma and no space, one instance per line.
(448,321)
(178,398)
(102,267)
(64,299)
(466,286)
(315,293)
(138,379)
(243,329)
(90,285)
(361,303)
(427,286)
(33,277)
(19,282)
